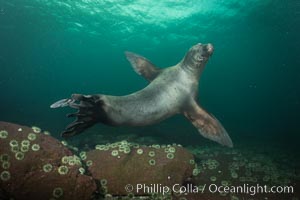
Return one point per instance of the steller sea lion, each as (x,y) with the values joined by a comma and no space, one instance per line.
(171,91)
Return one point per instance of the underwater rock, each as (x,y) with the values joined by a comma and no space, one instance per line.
(241,167)
(34,165)
(118,164)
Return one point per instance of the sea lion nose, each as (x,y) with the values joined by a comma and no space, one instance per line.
(209,48)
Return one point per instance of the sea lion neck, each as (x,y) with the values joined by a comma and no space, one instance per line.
(190,69)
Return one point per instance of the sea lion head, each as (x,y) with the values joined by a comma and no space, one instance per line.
(197,56)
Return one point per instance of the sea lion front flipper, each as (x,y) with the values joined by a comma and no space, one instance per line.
(208,126)
(142,66)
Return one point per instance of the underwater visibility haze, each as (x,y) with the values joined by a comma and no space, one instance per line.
(50,49)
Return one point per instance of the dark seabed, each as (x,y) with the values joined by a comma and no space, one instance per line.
(50,49)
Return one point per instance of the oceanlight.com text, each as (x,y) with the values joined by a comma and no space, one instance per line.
(210,188)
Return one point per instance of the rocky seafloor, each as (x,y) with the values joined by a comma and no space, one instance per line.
(35,165)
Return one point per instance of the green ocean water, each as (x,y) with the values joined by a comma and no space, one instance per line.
(51,49)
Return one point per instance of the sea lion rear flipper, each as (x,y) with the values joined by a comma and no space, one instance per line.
(89,112)
(208,126)
(62,103)
(142,66)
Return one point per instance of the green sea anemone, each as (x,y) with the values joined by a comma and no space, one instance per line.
(5,165)
(25,143)
(89,163)
(13,143)
(213,178)
(74,148)
(124,142)
(47,168)
(152,162)
(31,136)
(130,195)
(211,167)
(172,149)
(192,162)
(170,155)
(71,162)
(103,182)
(224,183)
(83,155)
(77,160)
(65,159)
(47,133)
(15,149)
(195,172)
(5,176)
(24,149)
(3,134)
(19,155)
(151,153)
(99,147)
(113,145)
(57,192)
(121,148)
(62,170)
(106,148)
(81,170)
(114,152)
(127,150)
(109,196)
(139,151)
(4,157)
(156,146)
(234,175)
(36,129)
(103,190)
(35,147)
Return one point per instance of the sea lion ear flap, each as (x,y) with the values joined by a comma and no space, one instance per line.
(142,66)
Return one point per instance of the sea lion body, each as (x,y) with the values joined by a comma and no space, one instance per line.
(154,103)
(171,91)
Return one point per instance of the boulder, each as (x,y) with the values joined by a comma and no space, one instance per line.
(116,165)
(34,165)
